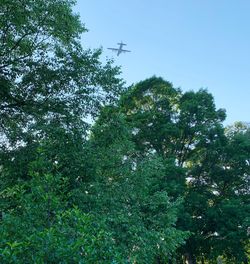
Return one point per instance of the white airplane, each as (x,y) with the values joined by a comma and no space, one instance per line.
(120,49)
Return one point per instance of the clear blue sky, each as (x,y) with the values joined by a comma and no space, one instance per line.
(191,43)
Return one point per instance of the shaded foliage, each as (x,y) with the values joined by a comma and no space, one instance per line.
(187,127)
(157,179)
(124,190)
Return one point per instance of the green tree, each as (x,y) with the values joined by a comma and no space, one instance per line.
(43,230)
(187,128)
(45,74)
(50,86)
(124,189)
(218,199)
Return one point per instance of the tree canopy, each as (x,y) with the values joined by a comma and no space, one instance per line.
(155,177)
(46,75)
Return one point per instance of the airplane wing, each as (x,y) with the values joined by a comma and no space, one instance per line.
(123,50)
(113,49)
(122,44)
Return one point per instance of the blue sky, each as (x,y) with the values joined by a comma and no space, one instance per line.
(191,43)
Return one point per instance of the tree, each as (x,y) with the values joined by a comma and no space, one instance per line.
(187,128)
(50,86)
(45,74)
(44,230)
(124,189)
(218,199)
(157,165)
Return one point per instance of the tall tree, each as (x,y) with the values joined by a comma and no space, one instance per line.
(124,189)
(50,87)
(45,74)
(187,128)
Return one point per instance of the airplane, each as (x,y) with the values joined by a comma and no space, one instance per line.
(120,49)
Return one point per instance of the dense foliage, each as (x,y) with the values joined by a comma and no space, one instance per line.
(186,128)
(46,76)
(155,179)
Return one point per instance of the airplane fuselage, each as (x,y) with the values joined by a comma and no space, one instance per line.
(120,49)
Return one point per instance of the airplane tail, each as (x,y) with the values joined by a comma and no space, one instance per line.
(122,44)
